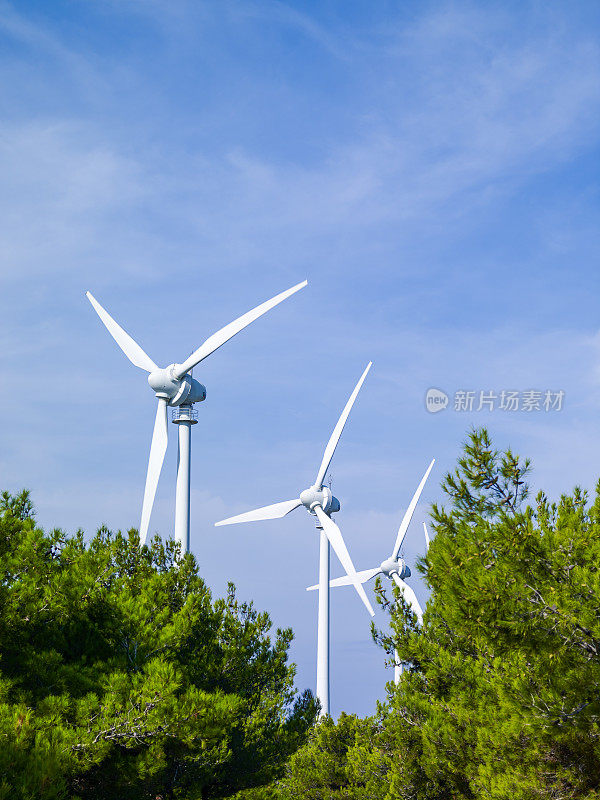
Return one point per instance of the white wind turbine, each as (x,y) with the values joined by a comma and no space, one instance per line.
(320,502)
(174,386)
(394,567)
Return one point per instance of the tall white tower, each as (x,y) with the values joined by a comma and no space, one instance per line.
(174,386)
(184,417)
(320,503)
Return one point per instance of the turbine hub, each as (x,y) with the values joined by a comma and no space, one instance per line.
(315,496)
(395,565)
(167,386)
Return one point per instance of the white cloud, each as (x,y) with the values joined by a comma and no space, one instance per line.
(63,191)
(176,200)
(480,119)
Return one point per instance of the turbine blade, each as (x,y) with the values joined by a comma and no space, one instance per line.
(225,334)
(336,540)
(409,512)
(158,448)
(274,511)
(337,431)
(346,580)
(427,540)
(409,596)
(131,348)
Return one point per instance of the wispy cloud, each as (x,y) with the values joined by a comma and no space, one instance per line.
(479,121)
(63,193)
(277,13)
(428,168)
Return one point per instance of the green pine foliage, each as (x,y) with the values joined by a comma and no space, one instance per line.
(120,677)
(501,698)
(334,764)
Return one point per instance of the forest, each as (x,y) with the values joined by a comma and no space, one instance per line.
(121,676)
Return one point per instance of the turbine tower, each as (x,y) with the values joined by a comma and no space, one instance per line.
(319,501)
(394,567)
(174,386)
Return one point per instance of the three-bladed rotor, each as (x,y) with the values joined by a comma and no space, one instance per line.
(173,385)
(394,566)
(319,501)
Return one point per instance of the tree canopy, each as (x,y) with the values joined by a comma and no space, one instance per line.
(120,677)
(501,697)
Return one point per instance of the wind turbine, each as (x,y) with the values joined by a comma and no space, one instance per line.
(321,503)
(174,386)
(393,567)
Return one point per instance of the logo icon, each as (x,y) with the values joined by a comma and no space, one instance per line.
(435,400)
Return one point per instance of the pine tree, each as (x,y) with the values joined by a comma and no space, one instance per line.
(329,766)
(120,677)
(501,697)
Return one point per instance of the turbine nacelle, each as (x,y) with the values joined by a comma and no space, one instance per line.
(174,386)
(315,496)
(320,502)
(395,566)
(176,391)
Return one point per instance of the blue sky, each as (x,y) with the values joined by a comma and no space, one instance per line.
(430,167)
